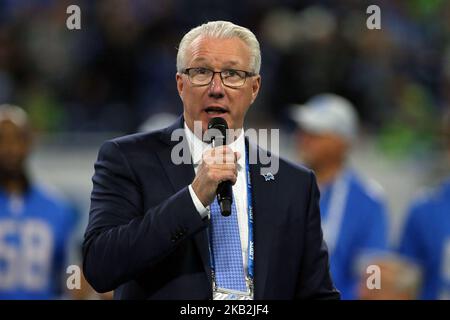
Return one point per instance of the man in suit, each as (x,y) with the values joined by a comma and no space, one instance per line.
(155,230)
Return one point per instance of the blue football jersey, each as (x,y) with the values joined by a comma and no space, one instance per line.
(426,240)
(34,234)
(359,230)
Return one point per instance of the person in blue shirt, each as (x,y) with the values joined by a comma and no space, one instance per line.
(353,210)
(35,224)
(426,235)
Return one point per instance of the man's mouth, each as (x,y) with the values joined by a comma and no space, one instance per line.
(215,110)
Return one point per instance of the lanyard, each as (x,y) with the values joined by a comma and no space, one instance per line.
(251,258)
(250,255)
(333,220)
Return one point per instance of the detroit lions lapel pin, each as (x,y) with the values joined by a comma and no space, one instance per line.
(268,176)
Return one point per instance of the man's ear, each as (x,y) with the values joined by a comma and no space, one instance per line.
(179,80)
(256,84)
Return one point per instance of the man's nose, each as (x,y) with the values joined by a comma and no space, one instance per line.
(216,88)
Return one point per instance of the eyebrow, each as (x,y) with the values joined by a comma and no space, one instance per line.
(226,64)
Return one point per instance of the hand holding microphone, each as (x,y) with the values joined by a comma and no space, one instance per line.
(217,173)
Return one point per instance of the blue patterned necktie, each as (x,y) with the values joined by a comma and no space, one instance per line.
(226,248)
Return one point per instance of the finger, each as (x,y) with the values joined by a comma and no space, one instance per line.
(224,174)
(220,150)
(231,177)
(218,160)
(212,156)
(223,158)
(229,158)
(217,152)
(223,166)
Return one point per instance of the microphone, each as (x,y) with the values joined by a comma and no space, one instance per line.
(224,190)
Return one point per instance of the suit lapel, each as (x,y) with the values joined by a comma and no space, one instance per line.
(181,175)
(264,215)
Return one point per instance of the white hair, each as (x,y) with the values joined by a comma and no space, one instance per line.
(221,30)
(14,114)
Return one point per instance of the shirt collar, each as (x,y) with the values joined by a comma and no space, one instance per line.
(197,146)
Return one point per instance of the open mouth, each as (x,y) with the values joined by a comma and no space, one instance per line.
(215,110)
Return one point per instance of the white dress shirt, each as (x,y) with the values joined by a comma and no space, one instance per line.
(197,147)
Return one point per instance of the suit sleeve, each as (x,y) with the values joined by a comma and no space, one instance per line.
(121,240)
(315,280)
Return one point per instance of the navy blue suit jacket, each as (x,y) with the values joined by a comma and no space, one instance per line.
(146,240)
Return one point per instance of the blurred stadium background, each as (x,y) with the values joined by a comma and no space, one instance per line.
(82,87)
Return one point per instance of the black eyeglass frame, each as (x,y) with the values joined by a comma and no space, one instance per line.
(247,75)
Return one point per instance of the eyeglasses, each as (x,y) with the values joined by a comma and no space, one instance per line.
(230,78)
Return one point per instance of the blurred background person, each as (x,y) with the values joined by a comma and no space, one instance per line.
(35,223)
(354,218)
(426,233)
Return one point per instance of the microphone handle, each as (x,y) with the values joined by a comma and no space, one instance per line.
(224,197)
(224,194)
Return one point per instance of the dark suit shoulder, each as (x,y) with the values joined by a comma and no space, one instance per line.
(295,168)
(153,140)
(138,138)
(148,141)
